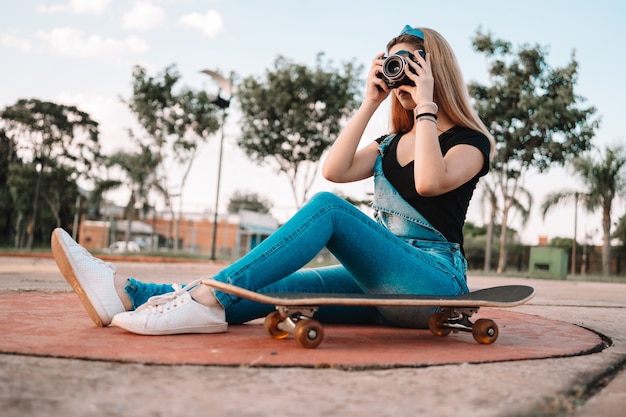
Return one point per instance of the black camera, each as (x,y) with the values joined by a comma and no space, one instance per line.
(393,69)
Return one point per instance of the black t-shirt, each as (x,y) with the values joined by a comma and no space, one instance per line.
(446,212)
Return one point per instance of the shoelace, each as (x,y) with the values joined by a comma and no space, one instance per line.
(166,301)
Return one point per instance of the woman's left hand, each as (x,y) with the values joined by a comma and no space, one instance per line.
(423,79)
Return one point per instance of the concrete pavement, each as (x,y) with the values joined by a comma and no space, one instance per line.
(588,385)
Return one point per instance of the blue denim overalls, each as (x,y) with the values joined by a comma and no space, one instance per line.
(399,217)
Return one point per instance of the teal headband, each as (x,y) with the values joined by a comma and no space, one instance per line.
(408,30)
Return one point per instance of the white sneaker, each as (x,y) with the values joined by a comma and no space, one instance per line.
(173,313)
(91,278)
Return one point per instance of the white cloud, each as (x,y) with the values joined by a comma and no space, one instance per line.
(96,7)
(210,23)
(143,16)
(113,117)
(14,42)
(75,43)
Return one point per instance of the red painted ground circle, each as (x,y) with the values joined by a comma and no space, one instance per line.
(55,324)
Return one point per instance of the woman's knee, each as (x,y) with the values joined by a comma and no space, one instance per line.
(326,198)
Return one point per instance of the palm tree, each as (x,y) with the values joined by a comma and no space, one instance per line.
(140,172)
(603,181)
(504,194)
(490,197)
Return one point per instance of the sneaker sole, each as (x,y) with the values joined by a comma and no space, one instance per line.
(215,328)
(59,253)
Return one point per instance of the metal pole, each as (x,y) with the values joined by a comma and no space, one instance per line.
(31,234)
(219,180)
(575,233)
(224,84)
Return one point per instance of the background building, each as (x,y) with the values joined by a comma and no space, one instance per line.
(236,234)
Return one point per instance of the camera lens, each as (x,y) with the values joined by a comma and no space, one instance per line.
(393,67)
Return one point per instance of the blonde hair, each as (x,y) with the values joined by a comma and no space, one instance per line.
(449,92)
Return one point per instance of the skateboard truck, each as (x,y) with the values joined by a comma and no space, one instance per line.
(307,332)
(484,331)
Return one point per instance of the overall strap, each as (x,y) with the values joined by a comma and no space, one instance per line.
(384,144)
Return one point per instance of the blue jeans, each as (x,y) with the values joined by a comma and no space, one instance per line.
(373,260)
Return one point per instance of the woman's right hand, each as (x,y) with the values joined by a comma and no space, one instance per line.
(376,89)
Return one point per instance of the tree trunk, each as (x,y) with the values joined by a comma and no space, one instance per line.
(606,241)
(502,261)
(131,214)
(18,229)
(489,241)
(180,198)
(175,221)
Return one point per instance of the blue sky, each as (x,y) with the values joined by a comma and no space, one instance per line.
(81,52)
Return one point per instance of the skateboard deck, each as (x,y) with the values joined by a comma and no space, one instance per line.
(295,311)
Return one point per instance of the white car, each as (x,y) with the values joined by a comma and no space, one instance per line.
(123,246)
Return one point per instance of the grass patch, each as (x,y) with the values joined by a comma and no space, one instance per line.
(574,278)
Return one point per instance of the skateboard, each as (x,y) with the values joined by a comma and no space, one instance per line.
(294,311)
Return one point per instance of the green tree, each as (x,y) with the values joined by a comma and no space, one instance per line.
(620,234)
(248,201)
(139,174)
(521,201)
(178,120)
(59,191)
(603,180)
(8,156)
(533,112)
(46,135)
(293,114)
(491,199)
(620,231)
(57,194)
(21,177)
(564,243)
(95,197)
(474,244)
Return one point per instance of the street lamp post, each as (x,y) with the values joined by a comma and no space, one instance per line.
(575,234)
(39,168)
(222,103)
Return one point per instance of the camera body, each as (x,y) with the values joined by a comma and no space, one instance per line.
(393,68)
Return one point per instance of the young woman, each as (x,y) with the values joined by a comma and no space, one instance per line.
(425,171)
